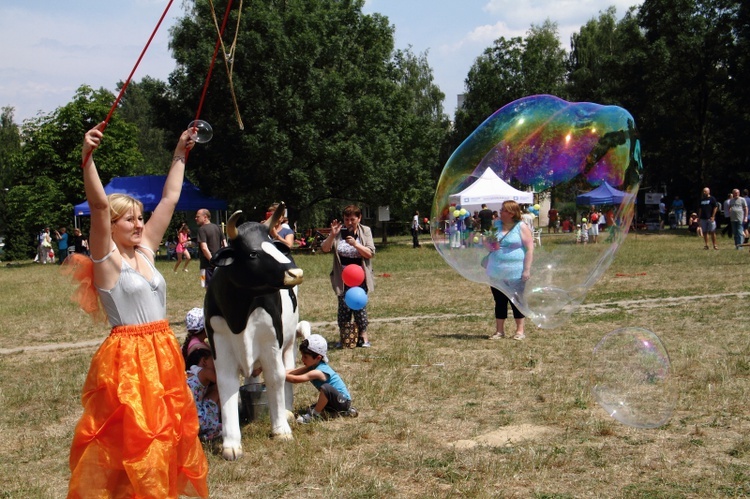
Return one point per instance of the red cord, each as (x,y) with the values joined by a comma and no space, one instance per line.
(130,77)
(211,66)
(143,52)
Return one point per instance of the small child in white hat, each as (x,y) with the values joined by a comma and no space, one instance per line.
(333,397)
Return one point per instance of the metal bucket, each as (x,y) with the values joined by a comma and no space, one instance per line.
(253,402)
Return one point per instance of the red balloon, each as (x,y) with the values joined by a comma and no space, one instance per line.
(353,275)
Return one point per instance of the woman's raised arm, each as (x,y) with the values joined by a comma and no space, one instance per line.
(100,237)
(154,230)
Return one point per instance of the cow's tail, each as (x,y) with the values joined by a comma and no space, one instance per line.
(303,329)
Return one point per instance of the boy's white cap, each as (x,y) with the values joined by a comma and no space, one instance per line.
(317,345)
(194,319)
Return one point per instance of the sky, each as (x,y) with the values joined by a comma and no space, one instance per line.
(52,47)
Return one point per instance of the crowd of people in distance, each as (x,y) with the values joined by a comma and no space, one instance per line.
(711,214)
(55,246)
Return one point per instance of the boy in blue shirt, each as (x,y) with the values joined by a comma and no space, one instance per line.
(333,397)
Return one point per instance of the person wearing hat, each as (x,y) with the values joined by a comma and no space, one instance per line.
(196,333)
(333,396)
(694,225)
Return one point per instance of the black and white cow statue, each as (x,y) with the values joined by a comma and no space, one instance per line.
(252,316)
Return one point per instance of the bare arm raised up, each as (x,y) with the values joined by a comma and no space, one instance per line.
(121,235)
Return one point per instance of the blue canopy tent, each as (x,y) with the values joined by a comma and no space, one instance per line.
(148,188)
(605,194)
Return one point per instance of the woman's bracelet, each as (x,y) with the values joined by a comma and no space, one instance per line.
(178,158)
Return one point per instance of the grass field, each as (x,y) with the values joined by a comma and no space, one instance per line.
(443,411)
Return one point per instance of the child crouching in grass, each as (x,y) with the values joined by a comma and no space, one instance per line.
(333,397)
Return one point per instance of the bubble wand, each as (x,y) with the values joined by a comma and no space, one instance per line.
(130,77)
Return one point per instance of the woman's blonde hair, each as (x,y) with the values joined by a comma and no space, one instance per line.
(121,204)
(513,208)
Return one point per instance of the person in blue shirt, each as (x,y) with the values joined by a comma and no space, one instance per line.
(62,244)
(678,205)
(281,231)
(333,397)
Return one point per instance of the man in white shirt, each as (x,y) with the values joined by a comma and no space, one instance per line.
(415,230)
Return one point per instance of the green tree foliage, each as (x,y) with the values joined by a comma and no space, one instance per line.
(31,207)
(544,61)
(690,120)
(739,82)
(494,80)
(606,61)
(146,104)
(330,114)
(10,150)
(10,143)
(417,130)
(47,180)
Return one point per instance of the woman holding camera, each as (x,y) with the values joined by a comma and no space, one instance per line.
(352,244)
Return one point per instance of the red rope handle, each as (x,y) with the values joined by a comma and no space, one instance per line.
(130,77)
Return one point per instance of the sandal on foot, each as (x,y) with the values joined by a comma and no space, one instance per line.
(498,336)
(716,247)
(519,337)
(705,247)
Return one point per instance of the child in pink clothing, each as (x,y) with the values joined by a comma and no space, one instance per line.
(196,333)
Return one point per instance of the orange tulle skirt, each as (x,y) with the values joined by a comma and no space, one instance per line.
(138,436)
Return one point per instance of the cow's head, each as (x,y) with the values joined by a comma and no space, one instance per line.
(253,260)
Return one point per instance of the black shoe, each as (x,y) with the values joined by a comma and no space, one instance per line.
(351,413)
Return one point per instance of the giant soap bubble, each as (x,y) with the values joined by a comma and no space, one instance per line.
(548,149)
(631,378)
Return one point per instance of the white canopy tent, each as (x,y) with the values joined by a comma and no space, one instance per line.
(491,190)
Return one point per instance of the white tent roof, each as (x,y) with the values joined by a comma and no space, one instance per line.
(491,190)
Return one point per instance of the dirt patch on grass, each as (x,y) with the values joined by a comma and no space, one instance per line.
(506,436)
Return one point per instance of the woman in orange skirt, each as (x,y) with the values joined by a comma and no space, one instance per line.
(138,436)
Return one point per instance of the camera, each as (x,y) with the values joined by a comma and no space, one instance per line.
(344,232)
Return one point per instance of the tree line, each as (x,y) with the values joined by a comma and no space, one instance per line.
(332,112)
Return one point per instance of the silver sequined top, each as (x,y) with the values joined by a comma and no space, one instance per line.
(134,300)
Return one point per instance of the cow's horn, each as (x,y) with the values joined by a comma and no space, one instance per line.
(277,214)
(232,225)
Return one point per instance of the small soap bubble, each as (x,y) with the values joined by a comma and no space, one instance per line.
(200,131)
(631,378)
